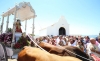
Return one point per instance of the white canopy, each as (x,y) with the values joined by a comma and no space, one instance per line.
(24,11)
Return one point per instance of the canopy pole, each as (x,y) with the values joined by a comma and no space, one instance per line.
(14,27)
(33,29)
(33,26)
(2,24)
(7,23)
(25,25)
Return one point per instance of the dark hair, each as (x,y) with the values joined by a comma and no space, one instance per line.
(76,38)
(88,37)
(82,42)
(19,22)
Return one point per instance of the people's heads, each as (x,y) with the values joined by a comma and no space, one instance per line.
(71,40)
(49,39)
(93,40)
(44,38)
(80,42)
(40,38)
(60,37)
(87,38)
(79,38)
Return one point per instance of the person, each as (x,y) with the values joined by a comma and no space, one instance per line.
(99,39)
(18,26)
(57,40)
(80,45)
(45,39)
(87,40)
(37,40)
(66,40)
(62,42)
(49,41)
(93,47)
(54,41)
(72,42)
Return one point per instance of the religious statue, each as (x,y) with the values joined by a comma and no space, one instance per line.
(18,26)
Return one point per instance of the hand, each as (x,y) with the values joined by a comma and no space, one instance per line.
(93,49)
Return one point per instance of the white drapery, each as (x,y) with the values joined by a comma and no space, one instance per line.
(24,9)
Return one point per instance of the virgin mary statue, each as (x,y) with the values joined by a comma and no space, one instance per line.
(18,30)
(18,26)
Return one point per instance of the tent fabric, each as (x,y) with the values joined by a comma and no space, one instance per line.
(24,11)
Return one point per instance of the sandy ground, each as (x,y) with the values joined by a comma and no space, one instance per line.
(12,59)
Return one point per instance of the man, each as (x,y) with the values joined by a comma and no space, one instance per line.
(93,47)
(45,39)
(57,41)
(62,42)
(72,42)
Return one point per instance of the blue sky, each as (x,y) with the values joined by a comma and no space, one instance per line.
(82,15)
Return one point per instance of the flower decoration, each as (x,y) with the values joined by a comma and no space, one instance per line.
(23,41)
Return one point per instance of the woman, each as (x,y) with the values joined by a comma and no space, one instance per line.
(87,40)
(53,41)
(80,45)
(49,41)
(18,26)
(66,41)
(37,40)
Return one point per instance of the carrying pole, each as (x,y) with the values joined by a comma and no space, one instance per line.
(14,27)
(2,24)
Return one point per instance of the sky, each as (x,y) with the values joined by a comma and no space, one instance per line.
(82,15)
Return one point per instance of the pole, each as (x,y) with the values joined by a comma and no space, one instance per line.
(7,23)
(2,24)
(33,29)
(14,27)
(25,25)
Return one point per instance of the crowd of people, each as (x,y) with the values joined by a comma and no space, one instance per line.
(86,44)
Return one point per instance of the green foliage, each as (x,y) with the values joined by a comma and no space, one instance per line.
(32,34)
(23,41)
(9,30)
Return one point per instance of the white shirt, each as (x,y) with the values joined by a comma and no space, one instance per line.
(75,43)
(64,42)
(69,44)
(45,41)
(57,41)
(97,48)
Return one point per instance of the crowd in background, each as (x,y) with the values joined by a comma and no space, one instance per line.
(86,44)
